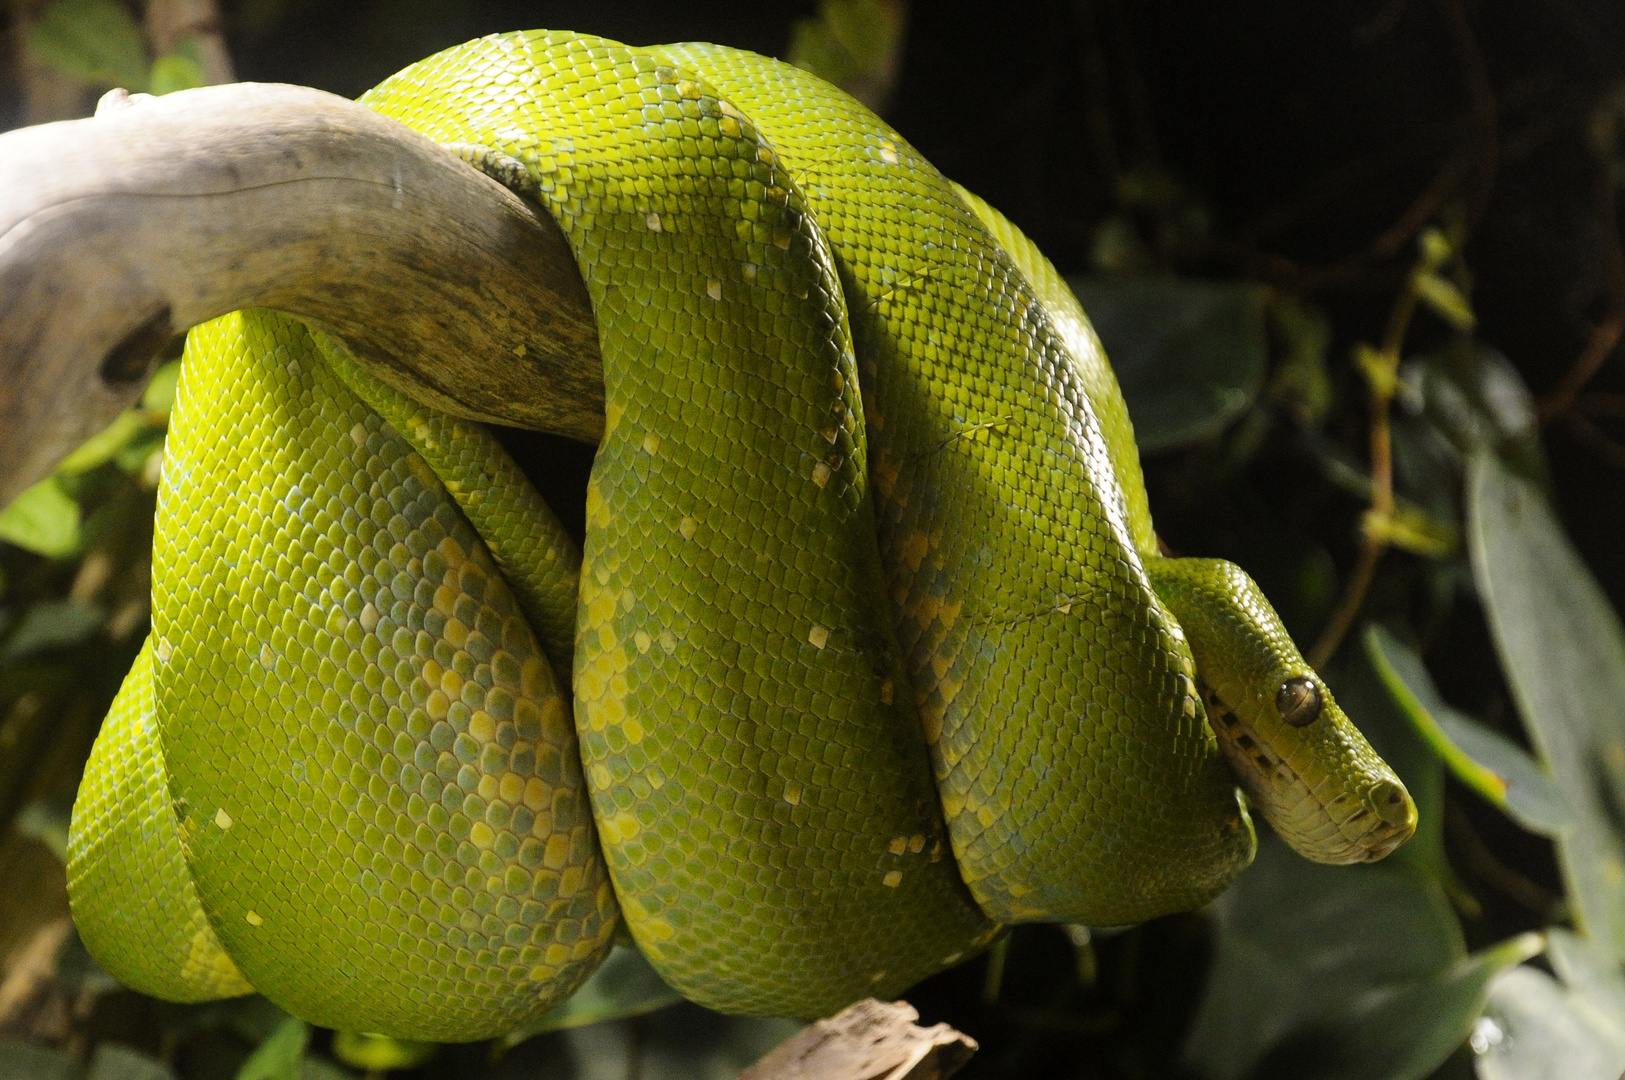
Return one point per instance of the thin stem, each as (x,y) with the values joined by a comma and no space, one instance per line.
(993,980)
(1348,606)
(1605,338)
(1374,540)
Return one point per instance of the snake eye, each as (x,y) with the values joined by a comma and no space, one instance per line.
(1299,701)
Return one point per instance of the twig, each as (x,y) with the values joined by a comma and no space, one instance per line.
(1605,337)
(32,1004)
(1288,273)
(1475,164)
(1483,863)
(1374,538)
(1611,452)
(1484,144)
(1600,405)
(1599,347)
(1382,368)
(871,1040)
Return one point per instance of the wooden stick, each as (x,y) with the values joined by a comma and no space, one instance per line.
(117,232)
(871,1040)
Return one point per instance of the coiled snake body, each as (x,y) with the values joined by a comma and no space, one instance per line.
(870,650)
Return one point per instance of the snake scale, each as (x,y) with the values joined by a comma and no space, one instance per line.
(869,651)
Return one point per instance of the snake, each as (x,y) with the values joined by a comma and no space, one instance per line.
(870,651)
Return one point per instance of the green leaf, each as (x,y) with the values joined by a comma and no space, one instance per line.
(1446,300)
(105,445)
(1435,247)
(1411,529)
(316,1068)
(43,520)
(94,41)
(159,396)
(1355,972)
(113,1062)
(1301,381)
(624,985)
(280,1055)
(134,429)
(177,71)
(850,39)
(1189,355)
(46,821)
(253,1018)
(52,624)
(1488,762)
(1535,1027)
(1361,693)
(24,1061)
(380,1053)
(1299,943)
(1563,652)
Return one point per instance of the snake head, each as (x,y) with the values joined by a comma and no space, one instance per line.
(1318,782)
(1303,764)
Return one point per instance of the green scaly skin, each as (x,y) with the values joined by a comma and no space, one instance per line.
(379,809)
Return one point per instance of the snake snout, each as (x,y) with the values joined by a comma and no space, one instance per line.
(1393,806)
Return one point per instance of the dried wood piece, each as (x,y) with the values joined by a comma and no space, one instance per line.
(871,1040)
(33,1005)
(120,230)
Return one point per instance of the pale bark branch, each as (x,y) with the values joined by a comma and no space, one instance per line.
(120,230)
(871,1040)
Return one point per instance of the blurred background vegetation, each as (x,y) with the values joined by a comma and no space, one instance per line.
(1358,264)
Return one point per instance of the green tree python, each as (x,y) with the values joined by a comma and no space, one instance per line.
(869,652)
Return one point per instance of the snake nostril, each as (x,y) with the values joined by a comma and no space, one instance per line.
(1393,804)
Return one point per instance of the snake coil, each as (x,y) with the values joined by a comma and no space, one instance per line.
(869,650)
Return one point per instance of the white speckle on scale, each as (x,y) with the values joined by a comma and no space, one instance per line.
(222,819)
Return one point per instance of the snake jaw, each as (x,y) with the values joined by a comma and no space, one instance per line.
(1359,812)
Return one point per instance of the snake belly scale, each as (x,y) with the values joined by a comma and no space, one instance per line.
(869,651)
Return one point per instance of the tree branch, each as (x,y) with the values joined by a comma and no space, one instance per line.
(120,230)
(871,1040)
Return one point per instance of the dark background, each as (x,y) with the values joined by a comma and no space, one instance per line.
(1298,145)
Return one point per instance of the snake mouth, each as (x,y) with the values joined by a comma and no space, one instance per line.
(1326,818)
